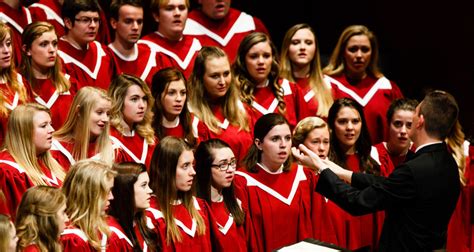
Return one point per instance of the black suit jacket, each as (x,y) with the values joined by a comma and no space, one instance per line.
(419,197)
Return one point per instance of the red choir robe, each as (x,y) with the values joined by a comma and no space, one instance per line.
(238,140)
(141,240)
(375,96)
(14,182)
(280,205)
(45,93)
(180,54)
(191,240)
(142,64)
(49,11)
(228,236)
(17,19)
(178,131)
(388,162)
(460,236)
(62,152)
(12,100)
(31,248)
(75,240)
(135,148)
(309,96)
(92,67)
(226,33)
(265,102)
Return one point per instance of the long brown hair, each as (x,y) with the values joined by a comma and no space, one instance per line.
(163,182)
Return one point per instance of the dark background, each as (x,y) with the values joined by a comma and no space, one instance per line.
(423,44)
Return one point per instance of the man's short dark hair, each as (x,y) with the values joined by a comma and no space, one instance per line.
(440,111)
(71,8)
(116,4)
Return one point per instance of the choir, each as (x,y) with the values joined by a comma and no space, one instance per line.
(179,139)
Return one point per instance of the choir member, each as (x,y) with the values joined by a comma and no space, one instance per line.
(354,73)
(26,160)
(215,168)
(215,23)
(85,59)
(85,133)
(131,197)
(171,113)
(131,118)
(172,47)
(300,63)
(88,189)
(41,66)
(279,194)
(215,102)
(257,73)
(41,219)
(181,219)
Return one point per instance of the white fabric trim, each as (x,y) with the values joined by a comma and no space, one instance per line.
(50,14)
(382,83)
(100,53)
(300,176)
(374,153)
(142,159)
(196,46)
(244,23)
(14,165)
(224,229)
(56,145)
(120,234)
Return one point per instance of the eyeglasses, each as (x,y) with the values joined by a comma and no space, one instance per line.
(225,166)
(88,20)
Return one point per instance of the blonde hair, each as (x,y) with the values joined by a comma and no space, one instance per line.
(316,80)
(157,4)
(455,141)
(36,221)
(118,91)
(336,62)
(6,226)
(32,32)
(86,191)
(10,74)
(76,128)
(233,111)
(19,143)
(305,126)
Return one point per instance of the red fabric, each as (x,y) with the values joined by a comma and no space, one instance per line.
(143,66)
(43,11)
(17,20)
(233,239)
(14,182)
(238,140)
(31,248)
(100,74)
(275,222)
(45,93)
(117,241)
(135,144)
(222,28)
(170,53)
(388,162)
(295,104)
(376,108)
(188,242)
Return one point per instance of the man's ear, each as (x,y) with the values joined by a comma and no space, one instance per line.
(156,16)
(113,23)
(421,121)
(258,143)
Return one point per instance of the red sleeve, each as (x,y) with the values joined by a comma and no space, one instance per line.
(13,184)
(203,131)
(259,26)
(61,159)
(31,248)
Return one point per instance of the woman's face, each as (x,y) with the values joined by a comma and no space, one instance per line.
(223,168)
(43,51)
(99,117)
(173,99)
(6,52)
(275,146)
(400,125)
(357,54)
(62,218)
(142,191)
(317,140)
(185,171)
(258,61)
(42,132)
(135,105)
(217,77)
(347,127)
(109,184)
(302,48)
